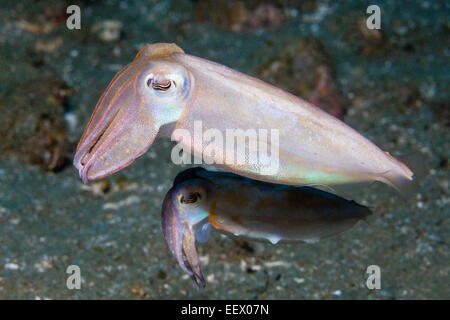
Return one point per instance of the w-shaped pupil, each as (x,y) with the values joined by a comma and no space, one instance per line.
(191,198)
(161,85)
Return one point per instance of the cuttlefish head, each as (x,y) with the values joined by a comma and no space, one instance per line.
(147,93)
(185,221)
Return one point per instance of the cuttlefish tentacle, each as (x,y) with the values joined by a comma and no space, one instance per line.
(164,89)
(251,209)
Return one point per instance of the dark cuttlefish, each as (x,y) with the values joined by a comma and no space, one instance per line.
(202,200)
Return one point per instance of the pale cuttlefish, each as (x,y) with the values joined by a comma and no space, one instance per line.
(164,89)
(202,200)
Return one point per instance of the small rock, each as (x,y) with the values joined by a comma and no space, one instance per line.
(124,203)
(36,28)
(108,30)
(48,46)
(11,266)
(337,293)
(274,264)
(265,16)
(299,280)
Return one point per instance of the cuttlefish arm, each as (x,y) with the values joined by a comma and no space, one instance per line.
(179,229)
(251,209)
(165,88)
(128,116)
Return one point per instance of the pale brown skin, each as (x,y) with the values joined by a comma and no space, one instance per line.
(165,88)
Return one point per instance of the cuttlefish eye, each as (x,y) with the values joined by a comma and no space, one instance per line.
(190,198)
(164,79)
(161,85)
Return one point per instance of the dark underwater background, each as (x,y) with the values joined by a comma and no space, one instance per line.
(391,85)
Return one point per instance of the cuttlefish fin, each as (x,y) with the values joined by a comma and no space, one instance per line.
(414,160)
(404,185)
(152,51)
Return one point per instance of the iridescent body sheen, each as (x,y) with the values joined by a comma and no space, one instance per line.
(200,200)
(165,89)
